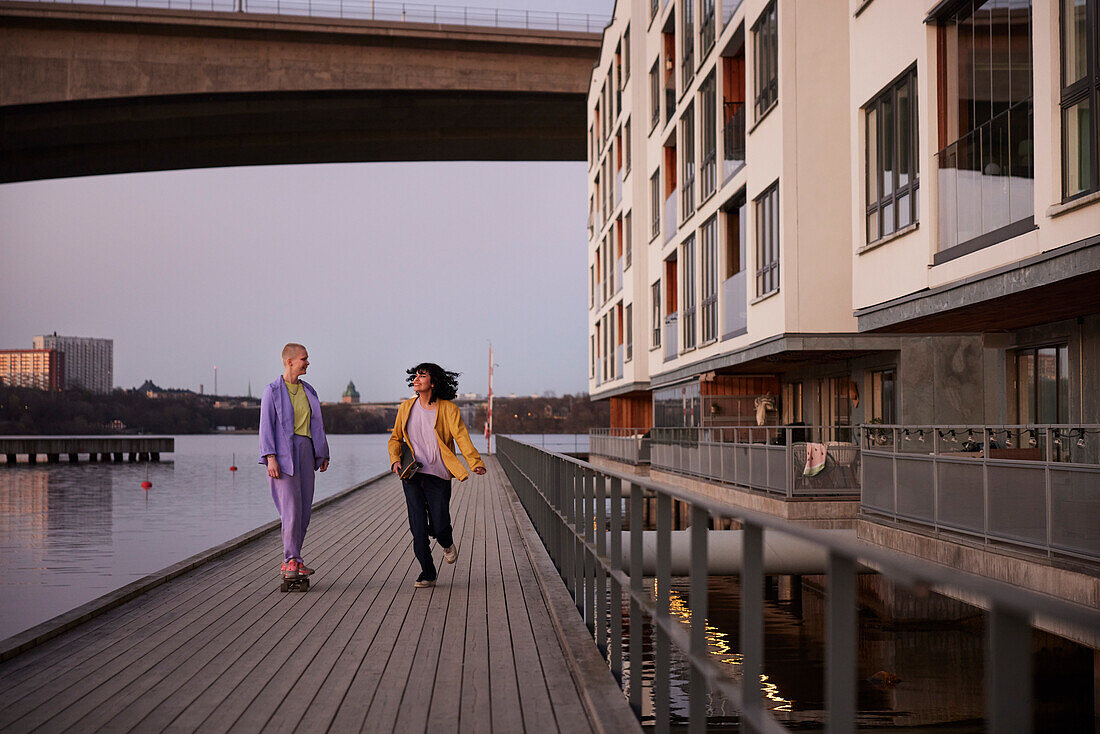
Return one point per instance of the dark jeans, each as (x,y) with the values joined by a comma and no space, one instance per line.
(429,500)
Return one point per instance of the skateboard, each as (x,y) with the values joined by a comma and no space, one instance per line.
(299,584)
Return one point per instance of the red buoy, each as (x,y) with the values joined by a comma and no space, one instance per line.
(232,468)
(146,484)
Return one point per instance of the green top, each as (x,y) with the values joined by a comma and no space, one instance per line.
(302,412)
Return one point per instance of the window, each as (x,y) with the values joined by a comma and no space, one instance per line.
(709,254)
(592,355)
(687,43)
(592,283)
(735,285)
(626,55)
(792,407)
(629,239)
(654,96)
(627,143)
(884,397)
(1080,97)
(1042,385)
(687,139)
(629,328)
(767,241)
(765,35)
(706,27)
(892,171)
(655,310)
(708,103)
(687,255)
(655,203)
(985,124)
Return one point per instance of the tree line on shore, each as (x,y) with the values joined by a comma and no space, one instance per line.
(25,411)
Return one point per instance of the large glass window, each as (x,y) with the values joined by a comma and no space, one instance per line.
(629,326)
(655,202)
(654,96)
(709,304)
(986,168)
(687,161)
(687,255)
(1042,385)
(708,104)
(767,241)
(1080,97)
(678,406)
(687,43)
(892,172)
(629,238)
(706,27)
(765,33)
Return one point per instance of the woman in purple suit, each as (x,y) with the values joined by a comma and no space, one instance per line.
(292,445)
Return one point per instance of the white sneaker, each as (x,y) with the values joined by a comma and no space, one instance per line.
(450,555)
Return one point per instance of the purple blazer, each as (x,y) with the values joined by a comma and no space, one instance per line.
(277,426)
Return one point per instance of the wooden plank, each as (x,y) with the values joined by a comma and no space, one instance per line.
(411,668)
(205,657)
(535,705)
(109,683)
(507,709)
(475,711)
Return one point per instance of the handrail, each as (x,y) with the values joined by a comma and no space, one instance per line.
(383,10)
(567,501)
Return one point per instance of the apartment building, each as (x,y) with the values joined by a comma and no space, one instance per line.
(41,369)
(857,209)
(89,362)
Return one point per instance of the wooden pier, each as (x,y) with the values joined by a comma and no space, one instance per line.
(496,645)
(95,448)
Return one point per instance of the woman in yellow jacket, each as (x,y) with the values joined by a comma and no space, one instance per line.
(431,425)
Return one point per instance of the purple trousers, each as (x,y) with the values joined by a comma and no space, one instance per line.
(293,497)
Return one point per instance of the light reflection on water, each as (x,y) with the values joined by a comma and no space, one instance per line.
(72,532)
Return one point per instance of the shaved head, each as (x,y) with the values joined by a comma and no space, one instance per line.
(292,350)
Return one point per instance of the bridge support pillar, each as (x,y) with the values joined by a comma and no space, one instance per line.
(73,458)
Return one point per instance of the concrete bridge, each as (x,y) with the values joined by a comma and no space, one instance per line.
(88,90)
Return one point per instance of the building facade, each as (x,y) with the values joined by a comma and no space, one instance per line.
(41,369)
(856,212)
(89,362)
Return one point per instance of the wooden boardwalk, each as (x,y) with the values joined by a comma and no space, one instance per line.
(495,646)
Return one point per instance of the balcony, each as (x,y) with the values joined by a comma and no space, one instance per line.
(1029,486)
(671,341)
(767,458)
(629,445)
(670,216)
(733,139)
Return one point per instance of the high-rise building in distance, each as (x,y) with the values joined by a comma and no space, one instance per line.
(89,362)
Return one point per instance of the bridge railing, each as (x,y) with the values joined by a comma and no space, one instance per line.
(384,10)
(577,509)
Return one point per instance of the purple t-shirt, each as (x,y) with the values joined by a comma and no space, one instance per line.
(425,443)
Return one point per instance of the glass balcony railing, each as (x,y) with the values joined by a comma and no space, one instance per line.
(619,361)
(670,217)
(735,317)
(618,274)
(618,187)
(629,445)
(670,337)
(729,7)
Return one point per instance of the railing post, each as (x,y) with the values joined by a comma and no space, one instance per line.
(661,670)
(840,646)
(636,525)
(616,587)
(1008,672)
(752,618)
(600,530)
(699,578)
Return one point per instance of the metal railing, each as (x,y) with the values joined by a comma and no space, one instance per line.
(578,511)
(629,445)
(1034,486)
(383,10)
(768,458)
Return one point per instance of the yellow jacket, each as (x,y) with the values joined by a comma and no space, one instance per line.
(448,427)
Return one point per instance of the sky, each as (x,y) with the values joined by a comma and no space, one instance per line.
(374,267)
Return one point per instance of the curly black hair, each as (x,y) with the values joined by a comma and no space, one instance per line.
(444,382)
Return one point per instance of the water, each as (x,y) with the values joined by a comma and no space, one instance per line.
(70,533)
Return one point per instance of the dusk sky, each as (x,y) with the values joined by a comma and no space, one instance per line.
(373,266)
